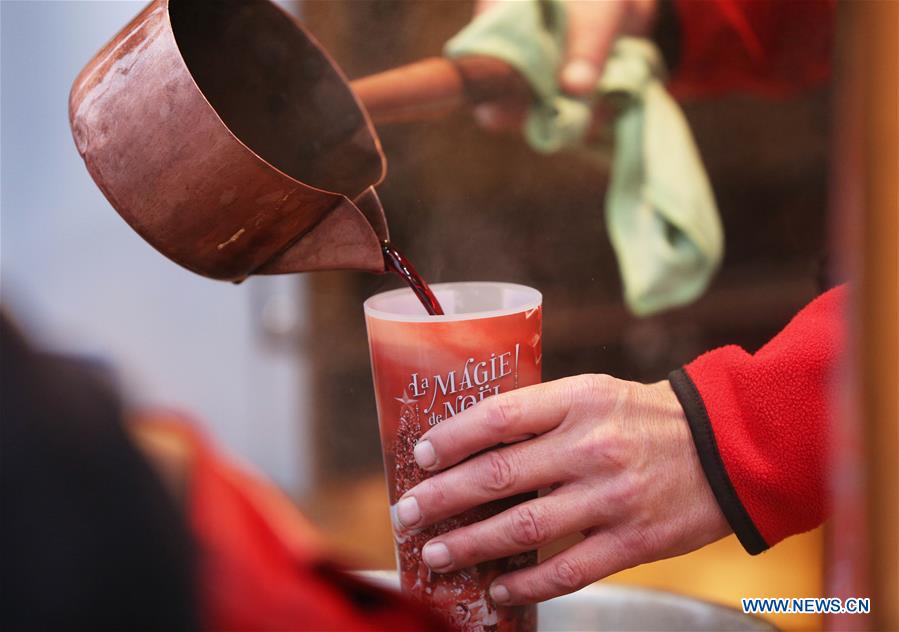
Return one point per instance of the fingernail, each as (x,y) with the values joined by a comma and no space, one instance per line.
(499,593)
(425,455)
(408,512)
(436,555)
(580,76)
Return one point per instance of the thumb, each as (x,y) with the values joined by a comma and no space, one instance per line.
(592,27)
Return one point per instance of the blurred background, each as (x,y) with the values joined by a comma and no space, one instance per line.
(80,280)
(276,369)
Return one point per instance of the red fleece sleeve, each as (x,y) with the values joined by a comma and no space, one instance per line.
(773,48)
(260,565)
(761,427)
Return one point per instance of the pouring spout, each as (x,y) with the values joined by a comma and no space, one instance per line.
(348,237)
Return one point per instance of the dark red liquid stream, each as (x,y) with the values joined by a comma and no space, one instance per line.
(398,264)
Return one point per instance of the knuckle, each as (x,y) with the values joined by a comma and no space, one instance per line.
(583,391)
(464,546)
(639,542)
(574,389)
(586,383)
(527,527)
(607,450)
(569,575)
(618,494)
(597,387)
(500,475)
(432,494)
(588,450)
(502,414)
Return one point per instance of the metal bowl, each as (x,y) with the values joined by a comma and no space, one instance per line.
(613,607)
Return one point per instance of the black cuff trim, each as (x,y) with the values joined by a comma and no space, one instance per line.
(713,466)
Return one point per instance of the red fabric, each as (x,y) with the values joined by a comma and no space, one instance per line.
(759,46)
(768,412)
(260,565)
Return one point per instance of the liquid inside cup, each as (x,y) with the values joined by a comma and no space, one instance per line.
(428,369)
(460,301)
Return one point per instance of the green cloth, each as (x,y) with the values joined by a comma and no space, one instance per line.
(660,209)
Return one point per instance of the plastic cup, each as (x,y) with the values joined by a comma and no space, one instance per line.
(427,369)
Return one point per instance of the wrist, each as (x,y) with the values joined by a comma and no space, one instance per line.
(706,448)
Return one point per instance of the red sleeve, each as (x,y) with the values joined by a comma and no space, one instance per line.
(260,565)
(760,424)
(768,47)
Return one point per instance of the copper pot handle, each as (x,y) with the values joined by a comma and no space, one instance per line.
(436,86)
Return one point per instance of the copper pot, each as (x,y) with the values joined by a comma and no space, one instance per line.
(226,136)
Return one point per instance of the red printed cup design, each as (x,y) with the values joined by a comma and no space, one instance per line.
(426,370)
